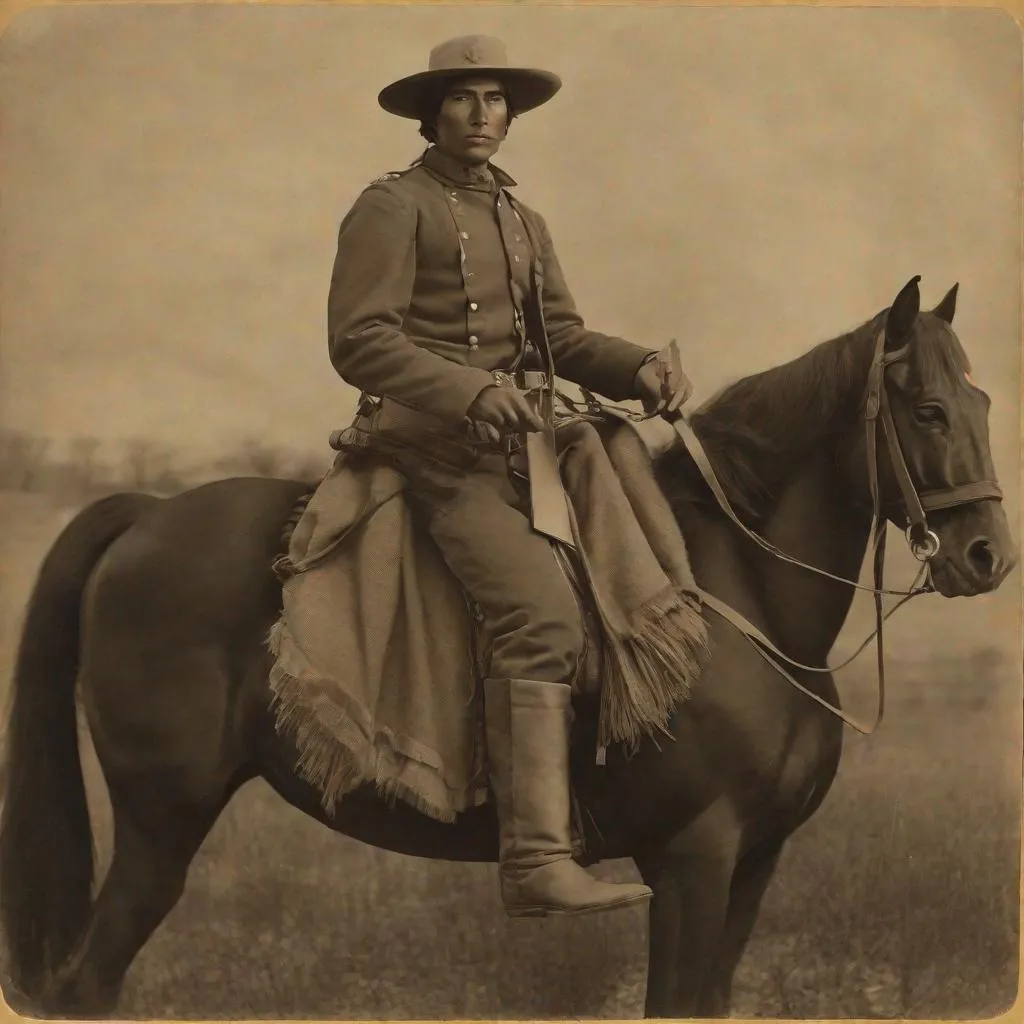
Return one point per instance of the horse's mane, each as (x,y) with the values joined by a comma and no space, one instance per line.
(758,430)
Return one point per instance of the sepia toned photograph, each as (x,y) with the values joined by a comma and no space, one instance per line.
(510,511)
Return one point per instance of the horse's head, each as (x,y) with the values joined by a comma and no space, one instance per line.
(935,473)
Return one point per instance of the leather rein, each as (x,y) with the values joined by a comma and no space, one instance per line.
(922,540)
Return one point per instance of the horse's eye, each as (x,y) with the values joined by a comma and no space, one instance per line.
(931,414)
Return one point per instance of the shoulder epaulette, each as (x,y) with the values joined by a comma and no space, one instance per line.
(390,176)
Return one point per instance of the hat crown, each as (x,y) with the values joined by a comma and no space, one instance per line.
(468,52)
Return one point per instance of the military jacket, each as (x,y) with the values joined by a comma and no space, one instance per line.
(440,275)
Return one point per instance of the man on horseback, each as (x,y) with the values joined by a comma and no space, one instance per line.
(435,309)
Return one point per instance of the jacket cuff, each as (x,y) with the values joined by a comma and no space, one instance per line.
(615,379)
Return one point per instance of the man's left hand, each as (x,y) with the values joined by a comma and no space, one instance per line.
(660,386)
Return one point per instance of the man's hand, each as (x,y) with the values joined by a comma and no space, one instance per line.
(647,386)
(660,383)
(507,410)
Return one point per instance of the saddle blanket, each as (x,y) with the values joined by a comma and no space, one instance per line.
(377,653)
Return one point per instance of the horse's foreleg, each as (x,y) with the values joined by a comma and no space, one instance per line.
(690,876)
(750,882)
(154,843)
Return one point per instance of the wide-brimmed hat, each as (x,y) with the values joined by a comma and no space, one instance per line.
(470,55)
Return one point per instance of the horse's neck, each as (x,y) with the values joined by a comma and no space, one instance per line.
(816,523)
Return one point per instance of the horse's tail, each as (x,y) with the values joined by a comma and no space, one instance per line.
(46,843)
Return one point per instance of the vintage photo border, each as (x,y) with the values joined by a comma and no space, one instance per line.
(11,9)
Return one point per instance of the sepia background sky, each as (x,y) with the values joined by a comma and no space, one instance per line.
(749,181)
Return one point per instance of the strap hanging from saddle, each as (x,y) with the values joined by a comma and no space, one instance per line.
(549,513)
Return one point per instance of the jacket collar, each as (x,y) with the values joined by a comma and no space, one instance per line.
(450,171)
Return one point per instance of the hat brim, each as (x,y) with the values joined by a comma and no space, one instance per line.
(528,88)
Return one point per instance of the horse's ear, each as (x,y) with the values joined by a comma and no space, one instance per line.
(946,309)
(903,314)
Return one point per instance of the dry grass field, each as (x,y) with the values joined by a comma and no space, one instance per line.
(900,899)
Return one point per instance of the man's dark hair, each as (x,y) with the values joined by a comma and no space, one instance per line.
(432,107)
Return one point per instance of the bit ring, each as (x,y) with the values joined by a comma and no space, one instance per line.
(923,550)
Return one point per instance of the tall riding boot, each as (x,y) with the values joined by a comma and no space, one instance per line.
(528,750)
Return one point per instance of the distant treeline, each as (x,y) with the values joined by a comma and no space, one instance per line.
(85,467)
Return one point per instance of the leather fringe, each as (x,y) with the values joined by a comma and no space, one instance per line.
(337,756)
(647,674)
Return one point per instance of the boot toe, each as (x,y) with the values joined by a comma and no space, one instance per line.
(562,887)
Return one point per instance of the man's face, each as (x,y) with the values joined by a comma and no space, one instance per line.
(473,120)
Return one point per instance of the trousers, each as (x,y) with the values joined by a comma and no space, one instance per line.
(480,523)
(462,491)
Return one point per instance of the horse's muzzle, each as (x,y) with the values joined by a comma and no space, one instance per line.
(977,552)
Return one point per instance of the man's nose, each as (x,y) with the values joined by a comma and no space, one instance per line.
(478,115)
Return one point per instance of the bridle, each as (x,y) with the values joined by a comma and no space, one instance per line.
(923,542)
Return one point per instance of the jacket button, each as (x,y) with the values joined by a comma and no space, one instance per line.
(473,341)
(474,306)
(465,234)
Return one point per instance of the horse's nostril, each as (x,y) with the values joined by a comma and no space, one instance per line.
(981,557)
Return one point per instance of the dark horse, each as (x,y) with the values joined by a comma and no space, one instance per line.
(160,609)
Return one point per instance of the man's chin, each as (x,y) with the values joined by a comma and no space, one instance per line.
(478,152)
